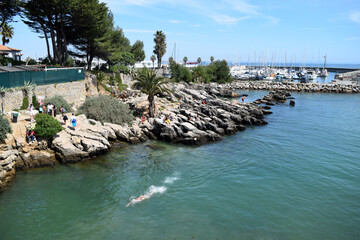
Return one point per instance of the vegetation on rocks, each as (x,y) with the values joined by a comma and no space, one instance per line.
(180,73)
(25,103)
(105,108)
(46,126)
(35,102)
(5,127)
(59,101)
(218,71)
(151,84)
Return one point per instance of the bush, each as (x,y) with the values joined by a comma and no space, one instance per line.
(46,126)
(200,75)
(59,101)
(25,103)
(219,72)
(119,68)
(106,109)
(5,127)
(35,102)
(180,73)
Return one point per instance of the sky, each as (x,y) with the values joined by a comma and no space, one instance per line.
(235,30)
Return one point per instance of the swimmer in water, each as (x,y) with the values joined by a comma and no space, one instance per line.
(139,199)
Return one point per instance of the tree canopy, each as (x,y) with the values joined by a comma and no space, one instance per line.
(8,9)
(160,46)
(217,71)
(151,84)
(80,28)
(137,49)
(7,33)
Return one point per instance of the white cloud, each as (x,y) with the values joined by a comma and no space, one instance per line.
(225,19)
(222,12)
(352,38)
(243,6)
(355,16)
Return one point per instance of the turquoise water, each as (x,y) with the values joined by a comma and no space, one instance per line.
(296,178)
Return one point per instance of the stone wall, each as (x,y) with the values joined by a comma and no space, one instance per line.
(72,92)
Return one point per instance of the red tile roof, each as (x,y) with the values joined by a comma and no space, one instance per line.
(5,49)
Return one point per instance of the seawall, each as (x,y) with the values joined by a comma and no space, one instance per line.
(295,87)
(73,92)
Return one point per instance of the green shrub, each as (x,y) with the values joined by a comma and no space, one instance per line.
(25,103)
(100,76)
(59,101)
(106,109)
(35,102)
(219,72)
(46,126)
(180,73)
(5,127)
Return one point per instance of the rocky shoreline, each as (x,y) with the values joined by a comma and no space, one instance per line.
(202,116)
(294,86)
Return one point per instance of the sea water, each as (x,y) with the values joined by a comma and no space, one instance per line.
(296,178)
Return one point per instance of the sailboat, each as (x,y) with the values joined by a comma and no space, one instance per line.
(324,72)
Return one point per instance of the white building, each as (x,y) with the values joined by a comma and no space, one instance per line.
(147,64)
(10,52)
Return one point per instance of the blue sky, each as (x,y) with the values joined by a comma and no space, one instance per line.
(233,29)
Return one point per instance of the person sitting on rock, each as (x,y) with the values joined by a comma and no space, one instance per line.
(167,120)
(29,135)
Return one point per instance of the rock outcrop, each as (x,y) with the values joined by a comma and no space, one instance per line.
(199,118)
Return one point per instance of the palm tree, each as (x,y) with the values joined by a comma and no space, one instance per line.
(171,59)
(185,60)
(7,33)
(160,45)
(211,58)
(199,60)
(151,84)
(153,58)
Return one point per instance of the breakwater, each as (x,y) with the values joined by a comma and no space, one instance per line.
(293,86)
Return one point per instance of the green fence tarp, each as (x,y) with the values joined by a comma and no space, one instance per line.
(17,79)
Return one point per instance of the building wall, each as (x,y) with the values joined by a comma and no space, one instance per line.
(72,92)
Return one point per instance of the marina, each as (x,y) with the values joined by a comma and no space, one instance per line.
(286,73)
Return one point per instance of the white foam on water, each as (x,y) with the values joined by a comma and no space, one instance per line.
(151,191)
(154,189)
(170,180)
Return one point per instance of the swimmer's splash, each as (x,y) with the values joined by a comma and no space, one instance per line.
(152,190)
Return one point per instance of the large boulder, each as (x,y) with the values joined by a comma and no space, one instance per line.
(65,150)
(36,158)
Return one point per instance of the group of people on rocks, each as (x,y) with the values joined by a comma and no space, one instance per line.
(167,119)
(50,109)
